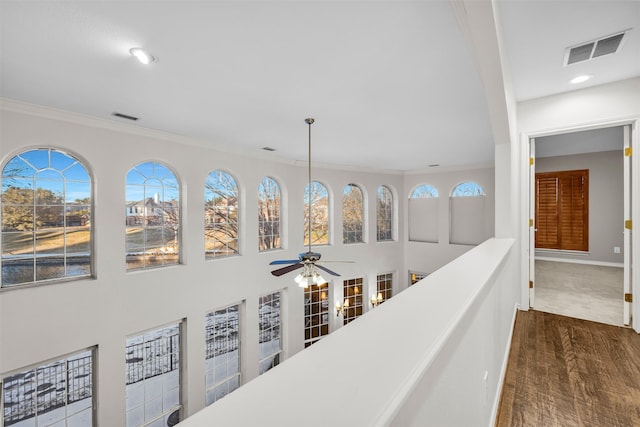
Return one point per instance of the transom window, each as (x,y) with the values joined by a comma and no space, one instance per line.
(317,195)
(59,393)
(152,377)
(270,342)
(352,214)
(221,215)
(316,313)
(46,218)
(467,189)
(152,217)
(424,191)
(352,305)
(384,214)
(268,214)
(222,364)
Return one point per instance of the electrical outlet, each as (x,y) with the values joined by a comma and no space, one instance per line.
(616,249)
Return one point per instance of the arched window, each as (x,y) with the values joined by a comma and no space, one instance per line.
(423,214)
(268,214)
(220,215)
(153,229)
(424,191)
(352,214)
(467,211)
(46,218)
(467,189)
(384,214)
(317,196)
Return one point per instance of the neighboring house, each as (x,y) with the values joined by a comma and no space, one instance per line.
(149,211)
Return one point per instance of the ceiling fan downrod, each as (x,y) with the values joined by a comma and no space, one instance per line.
(309,121)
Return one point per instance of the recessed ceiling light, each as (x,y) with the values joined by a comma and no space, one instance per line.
(142,55)
(580,79)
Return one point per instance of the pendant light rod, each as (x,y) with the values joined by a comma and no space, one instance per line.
(309,121)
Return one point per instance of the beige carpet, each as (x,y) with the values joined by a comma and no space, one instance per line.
(588,292)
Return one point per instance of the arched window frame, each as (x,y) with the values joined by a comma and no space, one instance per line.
(468,189)
(424,191)
(222,218)
(352,214)
(269,214)
(385,214)
(320,214)
(49,189)
(153,231)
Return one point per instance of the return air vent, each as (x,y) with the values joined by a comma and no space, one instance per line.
(595,48)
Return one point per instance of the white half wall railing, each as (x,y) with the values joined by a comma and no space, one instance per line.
(433,355)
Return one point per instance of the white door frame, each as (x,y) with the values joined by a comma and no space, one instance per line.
(526,254)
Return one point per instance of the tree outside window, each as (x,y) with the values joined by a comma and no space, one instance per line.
(352,214)
(317,195)
(221,215)
(152,216)
(268,215)
(46,218)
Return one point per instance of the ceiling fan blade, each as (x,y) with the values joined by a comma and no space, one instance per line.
(284,261)
(344,262)
(327,270)
(285,270)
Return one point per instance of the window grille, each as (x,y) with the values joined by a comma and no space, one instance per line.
(316,313)
(353,293)
(270,340)
(318,195)
(152,377)
(268,215)
(222,359)
(153,231)
(221,215)
(352,214)
(46,218)
(384,214)
(59,392)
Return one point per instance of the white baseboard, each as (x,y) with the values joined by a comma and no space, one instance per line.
(503,371)
(581,261)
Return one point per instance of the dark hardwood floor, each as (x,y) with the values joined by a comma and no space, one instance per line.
(570,372)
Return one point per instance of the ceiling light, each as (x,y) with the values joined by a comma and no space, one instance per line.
(580,79)
(142,55)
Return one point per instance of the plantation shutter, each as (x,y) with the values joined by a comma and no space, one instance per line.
(562,210)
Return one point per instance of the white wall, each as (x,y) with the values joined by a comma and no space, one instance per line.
(427,257)
(41,322)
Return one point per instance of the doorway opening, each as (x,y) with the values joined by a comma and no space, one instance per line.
(587,281)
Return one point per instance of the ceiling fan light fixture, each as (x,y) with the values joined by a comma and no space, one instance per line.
(142,55)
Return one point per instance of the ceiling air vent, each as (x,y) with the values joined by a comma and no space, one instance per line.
(594,48)
(124,116)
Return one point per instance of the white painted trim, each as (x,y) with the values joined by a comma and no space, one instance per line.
(562,252)
(581,261)
(503,370)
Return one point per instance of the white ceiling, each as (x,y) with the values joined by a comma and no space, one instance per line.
(391,84)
